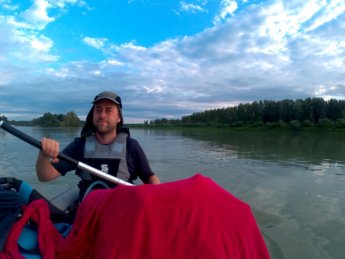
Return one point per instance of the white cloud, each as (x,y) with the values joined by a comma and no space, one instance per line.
(41,43)
(23,46)
(113,62)
(192,8)
(7,5)
(63,3)
(19,45)
(36,16)
(95,43)
(332,9)
(228,8)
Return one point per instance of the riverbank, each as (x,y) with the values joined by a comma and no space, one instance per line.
(239,128)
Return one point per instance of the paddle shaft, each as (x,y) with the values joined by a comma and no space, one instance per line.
(21,135)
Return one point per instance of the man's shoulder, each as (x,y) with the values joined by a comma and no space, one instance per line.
(132,141)
(77,142)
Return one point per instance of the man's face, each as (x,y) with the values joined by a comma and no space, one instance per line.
(105,116)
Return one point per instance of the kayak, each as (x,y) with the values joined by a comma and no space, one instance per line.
(14,194)
(188,218)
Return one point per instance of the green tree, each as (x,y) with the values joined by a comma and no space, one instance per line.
(285,113)
(71,120)
(333,110)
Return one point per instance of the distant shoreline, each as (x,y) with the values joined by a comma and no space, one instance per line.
(311,128)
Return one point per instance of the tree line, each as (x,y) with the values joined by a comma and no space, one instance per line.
(70,119)
(286,113)
(309,112)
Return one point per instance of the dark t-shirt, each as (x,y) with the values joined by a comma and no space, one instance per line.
(137,162)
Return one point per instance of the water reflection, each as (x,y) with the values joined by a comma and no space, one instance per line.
(309,147)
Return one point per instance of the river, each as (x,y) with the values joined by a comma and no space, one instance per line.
(293,181)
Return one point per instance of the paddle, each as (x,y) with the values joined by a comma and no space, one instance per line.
(62,156)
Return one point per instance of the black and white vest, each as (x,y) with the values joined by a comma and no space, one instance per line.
(110,158)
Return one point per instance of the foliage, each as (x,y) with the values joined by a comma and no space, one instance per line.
(296,114)
(53,120)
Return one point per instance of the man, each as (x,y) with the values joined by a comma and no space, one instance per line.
(103,144)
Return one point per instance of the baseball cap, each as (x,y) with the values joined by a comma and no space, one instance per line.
(110,96)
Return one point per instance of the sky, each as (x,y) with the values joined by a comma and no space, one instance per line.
(167,58)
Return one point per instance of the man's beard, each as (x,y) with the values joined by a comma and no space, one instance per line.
(103,130)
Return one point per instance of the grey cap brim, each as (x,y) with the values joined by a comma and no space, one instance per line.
(106,98)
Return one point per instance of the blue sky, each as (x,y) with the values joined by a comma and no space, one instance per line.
(167,58)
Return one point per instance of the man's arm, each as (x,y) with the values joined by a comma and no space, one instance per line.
(44,169)
(154,179)
(140,163)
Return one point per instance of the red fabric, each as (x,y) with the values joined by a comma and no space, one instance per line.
(38,212)
(191,218)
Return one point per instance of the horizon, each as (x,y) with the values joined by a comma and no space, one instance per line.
(136,121)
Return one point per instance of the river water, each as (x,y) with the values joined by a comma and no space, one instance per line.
(293,181)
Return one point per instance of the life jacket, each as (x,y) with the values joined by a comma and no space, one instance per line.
(110,159)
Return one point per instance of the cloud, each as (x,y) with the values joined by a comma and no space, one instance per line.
(7,5)
(263,50)
(24,49)
(191,8)
(228,8)
(20,46)
(64,3)
(36,16)
(274,50)
(93,42)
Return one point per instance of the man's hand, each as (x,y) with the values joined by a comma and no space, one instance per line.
(50,149)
